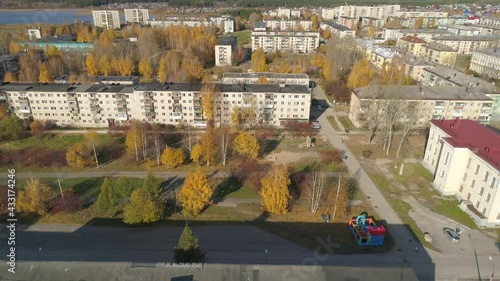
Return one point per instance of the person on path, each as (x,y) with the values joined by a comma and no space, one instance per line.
(416,249)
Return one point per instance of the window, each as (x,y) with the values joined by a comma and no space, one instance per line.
(498,216)
(477,169)
(447,158)
(492,182)
(465,177)
(461,189)
(472,183)
(486,175)
(442,173)
(477,204)
(484,210)
(468,162)
(488,197)
(481,191)
(468,196)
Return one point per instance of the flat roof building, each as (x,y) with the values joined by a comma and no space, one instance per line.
(486,62)
(271,78)
(225,48)
(106,19)
(140,16)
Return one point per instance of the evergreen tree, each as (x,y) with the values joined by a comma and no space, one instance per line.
(188,249)
(142,208)
(106,199)
(152,186)
(123,190)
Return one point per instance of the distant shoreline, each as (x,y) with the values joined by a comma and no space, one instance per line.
(79,11)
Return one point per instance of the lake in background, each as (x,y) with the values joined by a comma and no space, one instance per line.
(46,16)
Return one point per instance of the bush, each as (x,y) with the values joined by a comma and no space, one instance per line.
(250,172)
(367,153)
(34,157)
(330,156)
(71,203)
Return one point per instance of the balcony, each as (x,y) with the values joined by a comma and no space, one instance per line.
(121,103)
(122,110)
(122,117)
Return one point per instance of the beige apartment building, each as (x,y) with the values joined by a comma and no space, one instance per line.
(414,66)
(104,105)
(461,30)
(140,16)
(337,30)
(464,158)
(436,102)
(379,12)
(440,75)
(305,42)
(490,21)
(271,78)
(486,62)
(225,49)
(288,25)
(438,53)
(410,44)
(467,44)
(106,19)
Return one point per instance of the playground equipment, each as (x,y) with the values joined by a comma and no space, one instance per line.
(307,144)
(366,231)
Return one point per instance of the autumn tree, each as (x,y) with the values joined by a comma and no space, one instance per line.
(107,198)
(84,36)
(274,191)
(35,197)
(44,73)
(208,93)
(92,138)
(3,113)
(262,80)
(339,196)
(196,154)
(145,68)
(208,145)
(246,144)
(173,157)
(196,193)
(79,156)
(361,75)
(315,22)
(142,208)
(10,77)
(162,70)
(224,134)
(314,189)
(91,64)
(193,67)
(341,55)
(12,127)
(125,66)
(188,248)
(37,128)
(393,73)
(419,22)
(14,47)
(104,65)
(411,113)
(259,61)
(134,140)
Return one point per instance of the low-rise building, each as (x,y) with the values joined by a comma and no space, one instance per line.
(461,30)
(467,44)
(103,105)
(224,50)
(410,44)
(438,53)
(426,33)
(486,62)
(140,16)
(8,63)
(414,66)
(379,56)
(34,33)
(378,12)
(285,41)
(440,75)
(106,19)
(352,23)
(337,30)
(270,77)
(464,158)
(434,102)
(419,14)
(175,21)
(62,42)
(288,25)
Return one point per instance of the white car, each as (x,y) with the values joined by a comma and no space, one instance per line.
(320,107)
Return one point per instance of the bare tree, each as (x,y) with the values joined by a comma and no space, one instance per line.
(157,146)
(144,139)
(411,113)
(314,190)
(342,53)
(391,116)
(190,139)
(224,144)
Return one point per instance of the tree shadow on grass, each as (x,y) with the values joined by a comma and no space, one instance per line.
(226,187)
(88,188)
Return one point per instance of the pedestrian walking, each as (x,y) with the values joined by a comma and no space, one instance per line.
(410,240)
(416,249)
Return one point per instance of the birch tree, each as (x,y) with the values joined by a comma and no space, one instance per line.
(224,144)
(373,115)
(92,138)
(409,121)
(157,146)
(314,190)
(392,114)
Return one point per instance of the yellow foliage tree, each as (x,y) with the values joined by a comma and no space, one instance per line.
(133,141)
(246,144)
(393,74)
(208,92)
(236,117)
(142,208)
(419,22)
(10,77)
(196,193)
(262,80)
(91,64)
(125,66)
(35,197)
(208,146)
(105,66)
(14,47)
(361,74)
(327,34)
(315,22)
(3,112)
(194,67)
(162,70)
(44,75)
(259,61)
(196,153)
(79,156)
(274,191)
(145,68)
(84,36)
(172,157)
(283,67)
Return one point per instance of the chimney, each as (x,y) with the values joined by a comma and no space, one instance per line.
(487,149)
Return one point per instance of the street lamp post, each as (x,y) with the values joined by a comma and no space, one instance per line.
(266,255)
(492,265)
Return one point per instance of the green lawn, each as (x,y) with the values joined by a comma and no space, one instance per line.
(55,142)
(344,120)
(243,37)
(334,124)
(244,193)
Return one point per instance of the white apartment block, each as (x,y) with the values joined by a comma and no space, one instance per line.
(271,77)
(337,30)
(486,62)
(140,16)
(467,44)
(440,75)
(101,105)
(423,14)
(435,102)
(464,158)
(490,21)
(379,12)
(224,51)
(461,30)
(34,33)
(282,13)
(179,22)
(297,42)
(106,19)
(288,25)
(426,33)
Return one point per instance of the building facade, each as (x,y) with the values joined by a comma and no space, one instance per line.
(296,42)
(271,78)
(435,103)
(225,49)
(410,44)
(490,21)
(379,12)
(337,30)
(66,43)
(414,66)
(467,44)
(464,158)
(9,63)
(140,16)
(106,19)
(289,25)
(461,30)
(34,34)
(438,53)
(104,105)
(486,62)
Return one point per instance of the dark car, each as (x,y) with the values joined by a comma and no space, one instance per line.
(451,234)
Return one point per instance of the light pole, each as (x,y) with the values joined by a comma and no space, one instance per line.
(492,265)
(266,255)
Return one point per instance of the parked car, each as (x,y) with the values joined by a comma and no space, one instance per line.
(320,107)
(451,234)
(316,126)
